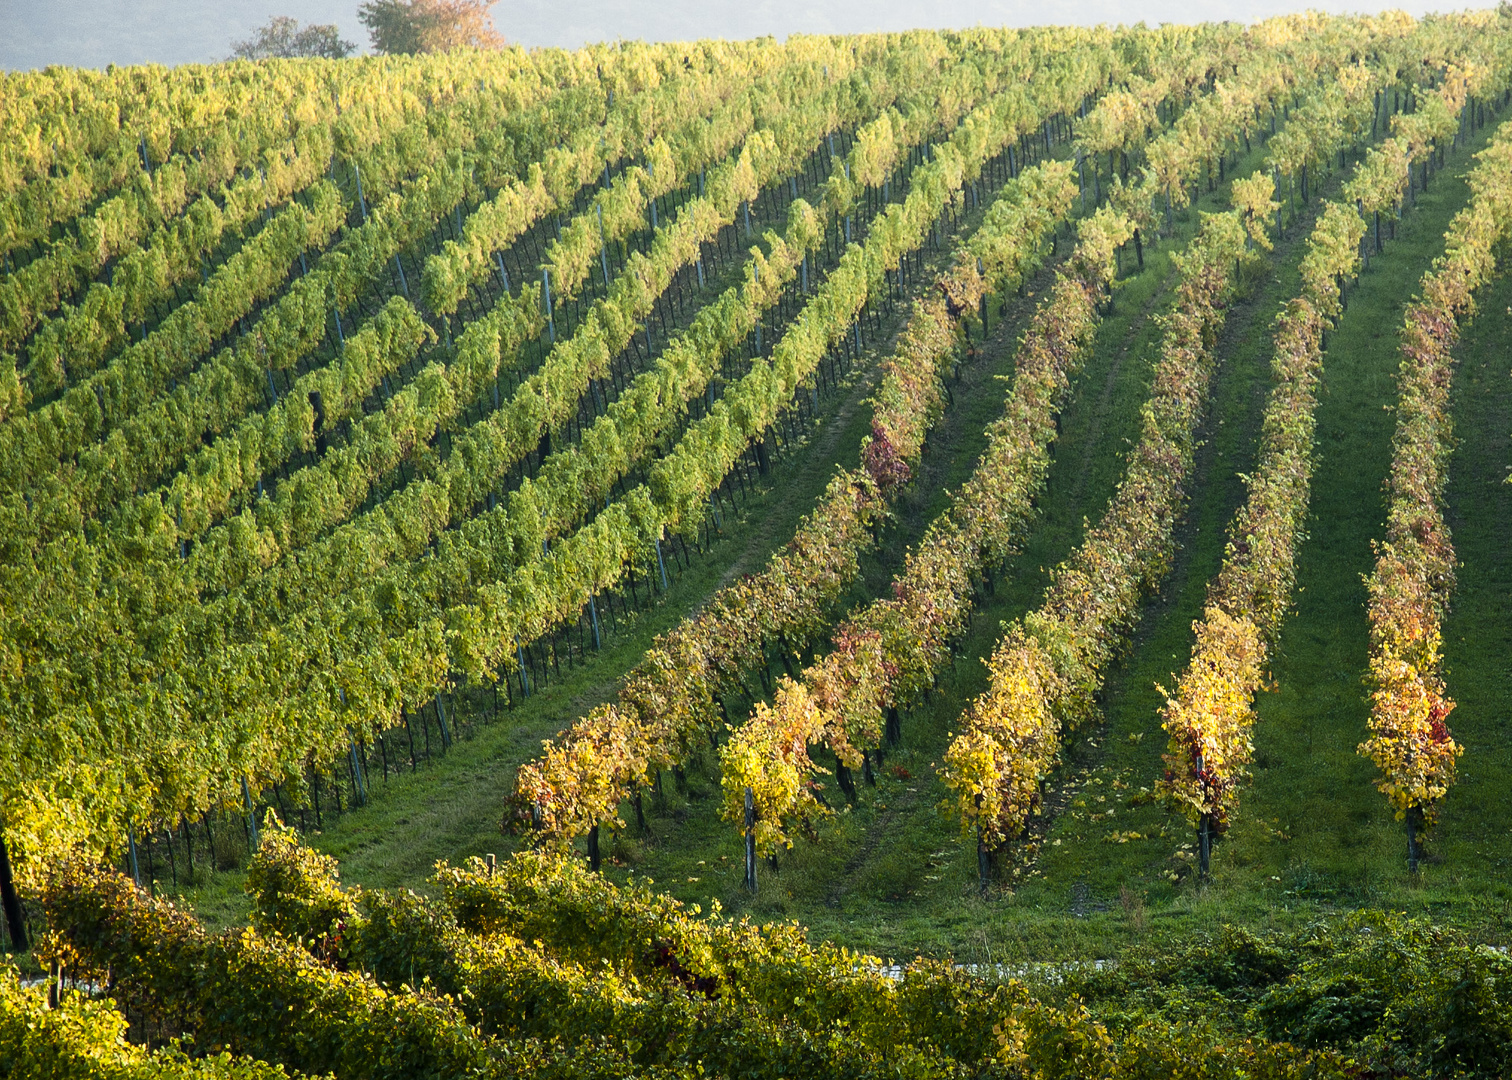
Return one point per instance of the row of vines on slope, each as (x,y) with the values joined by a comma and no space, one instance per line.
(1210,715)
(170,771)
(499,142)
(677,692)
(73,137)
(676,494)
(889,653)
(1410,586)
(1046,669)
(671,699)
(374,118)
(885,655)
(128,433)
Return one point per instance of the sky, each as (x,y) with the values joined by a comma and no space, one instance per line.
(93,33)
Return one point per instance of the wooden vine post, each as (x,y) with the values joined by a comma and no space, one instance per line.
(750,839)
(1204,834)
(984,853)
(252,837)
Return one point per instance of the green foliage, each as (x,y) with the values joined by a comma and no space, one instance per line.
(403,939)
(85,1039)
(283,38)
(1405,996)
(296,892)
(539,897)
(611,981)
(261,996)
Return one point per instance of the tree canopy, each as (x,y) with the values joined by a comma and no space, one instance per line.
(428,26)
(282,38)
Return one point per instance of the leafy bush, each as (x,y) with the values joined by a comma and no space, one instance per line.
(1402,993)
(297,892)
(544,969)
(86,1040)
(1397,994)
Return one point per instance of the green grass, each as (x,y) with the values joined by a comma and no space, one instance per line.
(1312,835)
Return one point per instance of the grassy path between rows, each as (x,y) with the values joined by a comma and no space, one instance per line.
(1474,837)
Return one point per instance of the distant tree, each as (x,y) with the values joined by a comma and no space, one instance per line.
(425,26)
(282,38)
